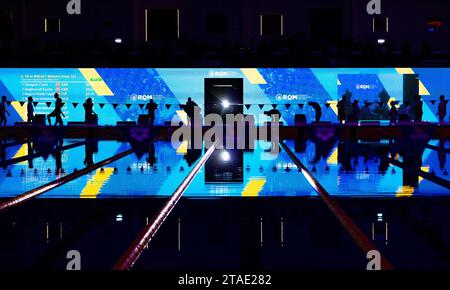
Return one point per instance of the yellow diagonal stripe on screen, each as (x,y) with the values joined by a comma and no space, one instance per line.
(333,106)
(21,110)
(405,70)
(253,76)
(423,90)
(95,80)
(96,182)
(183,148)
(408,71)
(254,187)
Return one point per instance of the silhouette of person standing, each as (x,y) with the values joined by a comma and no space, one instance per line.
(393,113)
(88,111)
(418,110)
(274,115)
(341,106)
(151,108)
(318,110)
(3,112)
(190,109)
(442,108)
(57,112)
(30,110)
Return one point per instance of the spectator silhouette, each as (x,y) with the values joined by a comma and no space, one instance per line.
(442,108)
(3,112)
(190,110)
(383,109)
(393,114)
(418,110)
(151,108)
(30,110)
(89,113)
(57,112)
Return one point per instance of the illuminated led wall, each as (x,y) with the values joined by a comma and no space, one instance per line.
(120,94)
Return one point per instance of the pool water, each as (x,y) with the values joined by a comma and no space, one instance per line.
(245,209)
(338,166)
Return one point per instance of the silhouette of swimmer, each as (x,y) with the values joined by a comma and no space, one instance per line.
(89,113)
(30,110)
(57,112)
(151,108)
(318,110)
(274,114)
(3,112)
(442,108)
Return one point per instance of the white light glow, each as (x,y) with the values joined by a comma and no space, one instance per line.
(225,156)
(225,104)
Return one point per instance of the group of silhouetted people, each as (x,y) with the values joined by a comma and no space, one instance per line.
(191,108)
(351,112)
(346,112)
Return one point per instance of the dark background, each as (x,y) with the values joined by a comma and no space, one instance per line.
(224,33)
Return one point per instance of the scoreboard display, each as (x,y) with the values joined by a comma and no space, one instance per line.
(120,94)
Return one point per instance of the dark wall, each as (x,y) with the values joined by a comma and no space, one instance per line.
(102,19)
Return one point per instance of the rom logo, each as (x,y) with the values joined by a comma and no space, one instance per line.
(374,7)
(74,7)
